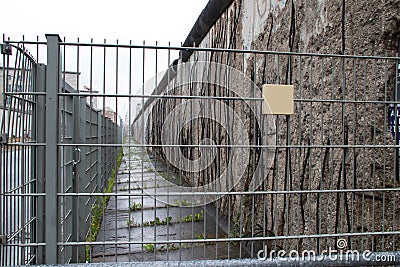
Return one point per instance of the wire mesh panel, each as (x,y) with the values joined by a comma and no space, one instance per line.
(91,154)
(17,165)
(210,167)
(324,178)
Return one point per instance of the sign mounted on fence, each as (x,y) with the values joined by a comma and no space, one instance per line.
(278,99)
(393,116)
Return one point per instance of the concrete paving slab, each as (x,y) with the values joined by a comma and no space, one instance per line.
(147,221)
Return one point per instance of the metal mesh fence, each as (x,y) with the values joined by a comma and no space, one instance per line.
(205,173)
(31,179)
(18,107)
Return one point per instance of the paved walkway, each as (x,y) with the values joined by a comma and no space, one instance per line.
(142,218)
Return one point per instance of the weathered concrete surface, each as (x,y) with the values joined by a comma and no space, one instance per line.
(340,104)
(136,173)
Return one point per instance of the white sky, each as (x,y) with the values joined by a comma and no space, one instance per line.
(137,20)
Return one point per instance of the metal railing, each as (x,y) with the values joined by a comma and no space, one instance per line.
(206,176)
(41,158)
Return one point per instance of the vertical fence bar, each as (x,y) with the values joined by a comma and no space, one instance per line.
(75,184)
(396,98)
(82,179)
(38,135)
(99,153)
(51,157)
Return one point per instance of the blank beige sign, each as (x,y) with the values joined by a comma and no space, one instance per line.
(279,98)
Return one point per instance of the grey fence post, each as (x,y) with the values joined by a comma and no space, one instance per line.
(51,158)
(81,178)
(99,153)
(120,137)
(38,135)
(75,184)
(106,151)
(109,157)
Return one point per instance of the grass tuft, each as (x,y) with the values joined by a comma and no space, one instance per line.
(100,206)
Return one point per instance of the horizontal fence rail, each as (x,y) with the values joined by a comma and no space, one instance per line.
(125,153)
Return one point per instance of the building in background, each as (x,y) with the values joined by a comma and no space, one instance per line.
(72,78)
(15,107)
(12,106)
(138,107)
(110,113)
(92,101)
(16,80)
(127,123)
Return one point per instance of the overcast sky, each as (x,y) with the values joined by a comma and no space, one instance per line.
(137,20)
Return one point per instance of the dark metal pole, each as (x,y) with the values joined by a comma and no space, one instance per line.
(396,121)
(38,134)
(51,170)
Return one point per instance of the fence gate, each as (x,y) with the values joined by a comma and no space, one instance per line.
(128,153)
